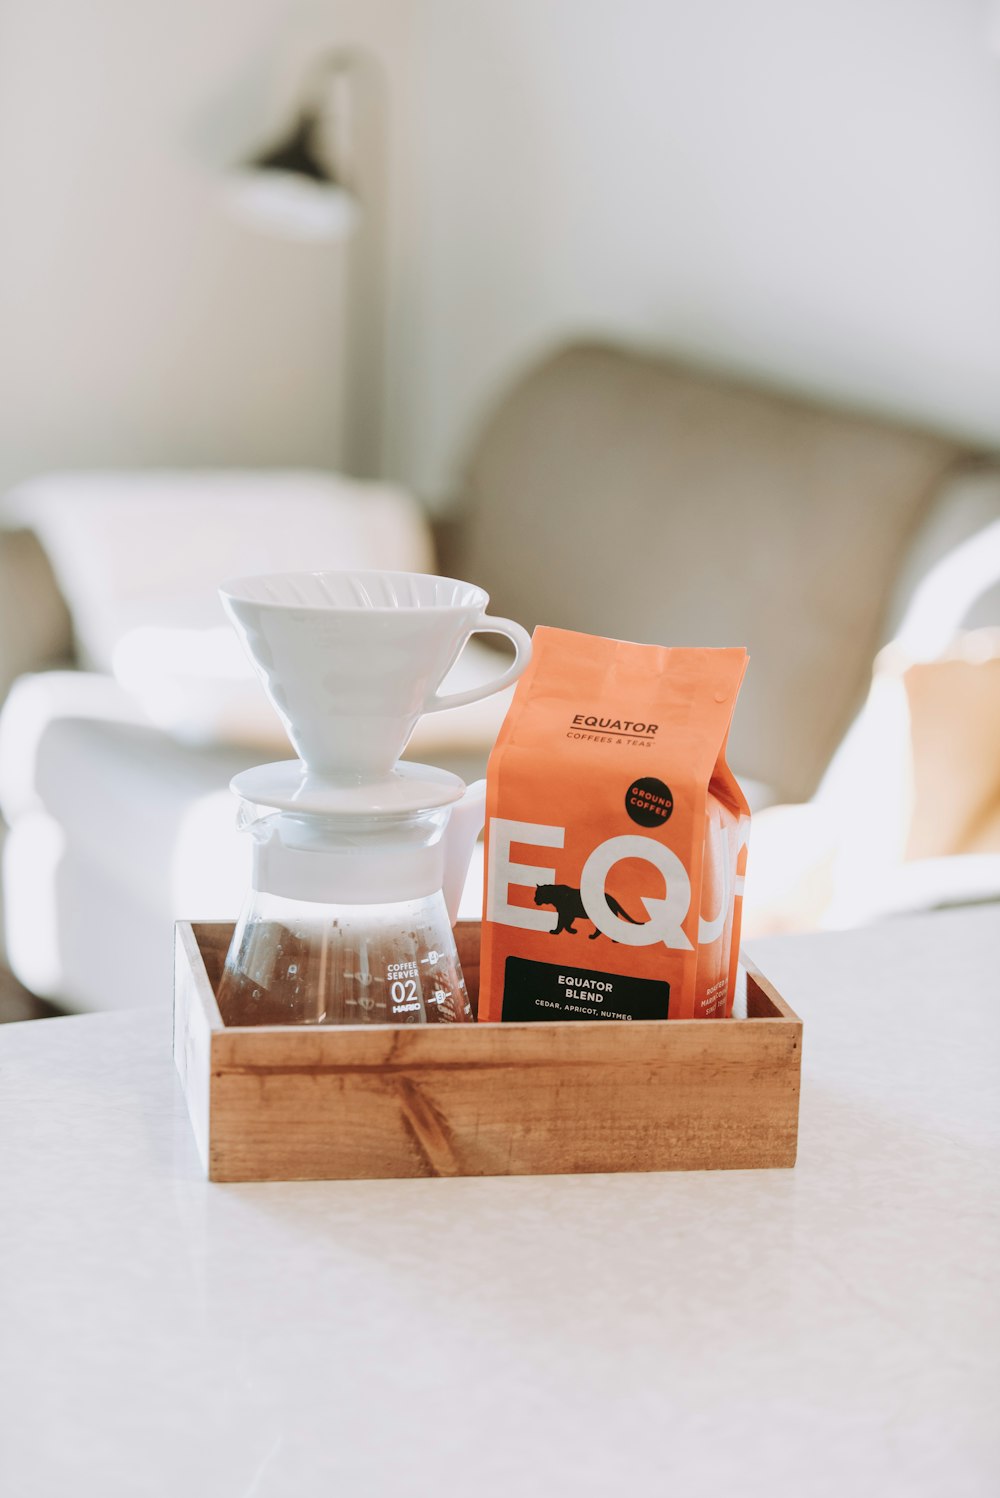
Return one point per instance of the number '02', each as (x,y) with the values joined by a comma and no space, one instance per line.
(666,915)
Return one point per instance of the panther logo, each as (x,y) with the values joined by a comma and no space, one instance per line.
(569,908)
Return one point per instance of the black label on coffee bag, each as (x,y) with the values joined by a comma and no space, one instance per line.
(543,990)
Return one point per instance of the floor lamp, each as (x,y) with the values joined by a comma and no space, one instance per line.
(305,186)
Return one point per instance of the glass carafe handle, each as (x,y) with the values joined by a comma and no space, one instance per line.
(466,822)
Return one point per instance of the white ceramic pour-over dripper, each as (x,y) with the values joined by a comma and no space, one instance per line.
(351,660)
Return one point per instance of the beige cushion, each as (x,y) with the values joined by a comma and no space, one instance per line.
(954,718)
(630,497)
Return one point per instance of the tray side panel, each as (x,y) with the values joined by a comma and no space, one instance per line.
(213,938)
(195,1010)
(504,1100)
(763,999)
(468,935)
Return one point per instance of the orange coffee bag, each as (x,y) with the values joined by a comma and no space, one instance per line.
(615,836)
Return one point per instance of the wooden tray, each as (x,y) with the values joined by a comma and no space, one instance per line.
(346,1102)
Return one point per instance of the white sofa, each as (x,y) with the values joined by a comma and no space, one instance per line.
(114,774)
(608,492)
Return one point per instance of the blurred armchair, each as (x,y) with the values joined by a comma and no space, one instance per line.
(907,816)
(608,492)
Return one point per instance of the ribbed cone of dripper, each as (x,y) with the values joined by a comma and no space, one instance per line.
(351,660)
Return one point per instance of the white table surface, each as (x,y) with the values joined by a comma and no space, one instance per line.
(830,1330)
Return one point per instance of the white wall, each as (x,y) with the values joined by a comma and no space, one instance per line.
(139,323)
(809,191)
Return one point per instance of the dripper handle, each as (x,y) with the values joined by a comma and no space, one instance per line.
(467,820)
(487,625)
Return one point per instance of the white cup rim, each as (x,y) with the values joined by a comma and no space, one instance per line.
(238,590)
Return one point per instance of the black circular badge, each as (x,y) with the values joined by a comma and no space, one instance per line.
(649,802)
